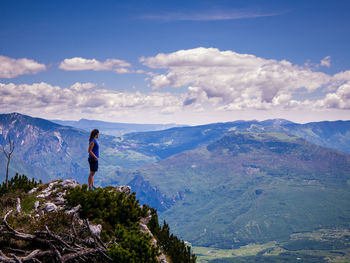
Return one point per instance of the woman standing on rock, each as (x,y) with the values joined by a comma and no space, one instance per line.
(93,157)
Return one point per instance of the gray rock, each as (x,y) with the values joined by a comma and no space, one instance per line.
(43,195)
(61,194)
(95,230)
(68,183)
(50,207)
(146,220)
(33,190)
(124,188)
(59,201)
(36,206)
(73,210)
(48,191)
(162,258)
(154,242)
(144,229)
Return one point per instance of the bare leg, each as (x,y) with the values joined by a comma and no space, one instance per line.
(91,179)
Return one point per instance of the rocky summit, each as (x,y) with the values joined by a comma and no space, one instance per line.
(63,221)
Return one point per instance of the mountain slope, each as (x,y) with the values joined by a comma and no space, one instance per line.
(335,135)
(251,187)
(47,151)
(176,140)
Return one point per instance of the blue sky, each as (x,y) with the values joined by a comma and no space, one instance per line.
(176,61)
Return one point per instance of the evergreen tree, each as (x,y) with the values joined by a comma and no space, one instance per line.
(18,182)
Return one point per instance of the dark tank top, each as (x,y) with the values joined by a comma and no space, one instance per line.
(94,149)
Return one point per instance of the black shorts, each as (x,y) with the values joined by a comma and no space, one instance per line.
(93,164)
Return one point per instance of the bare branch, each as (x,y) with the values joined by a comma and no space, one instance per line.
(18,205)
(17,234)
(57,254)
(32,255)
(8,156)
(6,260)
(73,228)
(96,238)
(16,258)
(4,151)
(36,253)
(57,248)
(57,238)
(12,147)
(79,254)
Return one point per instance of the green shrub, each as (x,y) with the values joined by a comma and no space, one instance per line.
(112,207)
(18,182)
(133,246)
(175,248)
(123,212)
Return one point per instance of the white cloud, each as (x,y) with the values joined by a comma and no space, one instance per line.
(339,99)
(212,85)
(213,15)
(78,64)
(84,99)
(11,68)
(326,62)
(233,81)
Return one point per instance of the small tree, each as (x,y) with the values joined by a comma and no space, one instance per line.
(8,156)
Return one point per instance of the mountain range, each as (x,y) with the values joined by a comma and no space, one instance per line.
(219,185)
(114,128)
(246,188)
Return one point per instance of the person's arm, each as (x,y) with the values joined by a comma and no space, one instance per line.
(91,146)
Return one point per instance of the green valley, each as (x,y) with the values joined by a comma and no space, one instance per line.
(251,187)
(323,245)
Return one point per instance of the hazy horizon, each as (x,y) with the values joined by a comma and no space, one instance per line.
(174,123)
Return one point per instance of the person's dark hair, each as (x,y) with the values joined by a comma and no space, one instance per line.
(93,134)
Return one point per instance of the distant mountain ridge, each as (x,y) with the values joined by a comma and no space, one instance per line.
(335,135)
(115,128)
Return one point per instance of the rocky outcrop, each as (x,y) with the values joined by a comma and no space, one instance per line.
(123,189)
(79,243)
(53,195)
(144,229)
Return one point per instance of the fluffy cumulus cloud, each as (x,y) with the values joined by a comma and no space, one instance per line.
(78,64)
(83,99)
(339,99)
(11,67)
(326,62)
(233,81)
